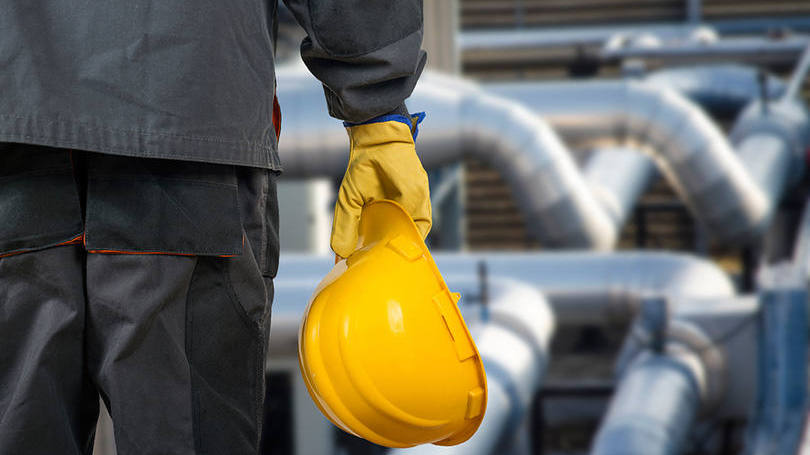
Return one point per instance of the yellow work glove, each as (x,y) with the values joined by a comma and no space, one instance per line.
(382,165)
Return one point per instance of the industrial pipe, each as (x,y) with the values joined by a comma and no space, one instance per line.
(500,40)
(653,409)
(722,90)
(559,206)
(778,424)
(733,192)
(732,49)
(508,40)
(617,177)
(581,287)
(688,365)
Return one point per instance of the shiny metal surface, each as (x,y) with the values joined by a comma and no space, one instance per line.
(723,89)
(729,193)
(653,409)
(581,287)
(725,190)
(617,177)
(727,48)
(477,40)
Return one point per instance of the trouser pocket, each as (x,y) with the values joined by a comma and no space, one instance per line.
(39,200)
(137,205)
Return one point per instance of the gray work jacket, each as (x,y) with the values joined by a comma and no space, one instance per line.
(191,80)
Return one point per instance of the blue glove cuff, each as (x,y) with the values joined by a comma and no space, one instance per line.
(413,122)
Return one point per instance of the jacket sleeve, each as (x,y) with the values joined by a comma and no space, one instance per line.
(367,53)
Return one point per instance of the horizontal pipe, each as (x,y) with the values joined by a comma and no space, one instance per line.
(723,89)
(493,40)
(581,287)
(471,41)
(728,48)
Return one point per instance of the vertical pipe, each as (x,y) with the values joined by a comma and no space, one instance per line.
(797,79)
(782,386)
(768,160)
(694,11)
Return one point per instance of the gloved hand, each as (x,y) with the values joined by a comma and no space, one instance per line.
(382,165)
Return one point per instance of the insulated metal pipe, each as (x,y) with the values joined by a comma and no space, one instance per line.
(464,121)
(492,40)
(561,207)
(653,409)
(778,424)
(769,162)
(581,287)
(501,40)
(734,49)
(617,177)
(720,89)
(727,191)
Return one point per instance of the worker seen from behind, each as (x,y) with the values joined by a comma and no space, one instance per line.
(138,212)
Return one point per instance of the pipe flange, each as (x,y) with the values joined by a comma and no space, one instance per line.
(688,343)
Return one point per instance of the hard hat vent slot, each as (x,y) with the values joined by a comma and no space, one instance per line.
(475,403)
(444,303)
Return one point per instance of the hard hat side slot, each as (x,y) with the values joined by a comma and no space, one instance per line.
(461,342)
(475,403)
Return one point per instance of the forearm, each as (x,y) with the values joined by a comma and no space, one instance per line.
(367,53)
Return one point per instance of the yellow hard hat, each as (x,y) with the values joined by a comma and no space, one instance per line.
(383,349)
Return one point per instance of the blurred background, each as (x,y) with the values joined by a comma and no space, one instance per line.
(619,192)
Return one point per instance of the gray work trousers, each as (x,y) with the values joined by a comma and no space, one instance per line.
(156,306)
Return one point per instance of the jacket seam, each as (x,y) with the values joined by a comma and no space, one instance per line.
(24,250)
(34,236)
(140,131)
(273,163)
